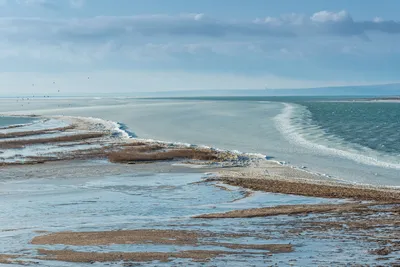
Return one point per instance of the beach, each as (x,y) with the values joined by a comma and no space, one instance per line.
(83,187)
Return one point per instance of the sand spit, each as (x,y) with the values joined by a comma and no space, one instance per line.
(37,132)
(314,189)
(97,139)
(91,257)
(7,259)
(120,237)
(138,153)
(163,153)
(290,210)
(61,139)
(151,236)
(79,137)
(148,237)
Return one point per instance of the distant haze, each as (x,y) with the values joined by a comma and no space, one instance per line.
(370,90)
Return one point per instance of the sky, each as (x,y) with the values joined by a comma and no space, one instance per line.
(107,46)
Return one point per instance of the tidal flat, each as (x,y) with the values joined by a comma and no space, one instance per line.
(107,198)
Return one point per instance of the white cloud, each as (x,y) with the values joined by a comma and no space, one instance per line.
(198,17)
(326,16)
(52,4)
(105,28)
(32,2)
(195,43)
(42,3)
(77,3)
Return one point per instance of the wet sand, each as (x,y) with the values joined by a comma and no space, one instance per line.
(149,236)
(291,210)
(62,139)
(120,237)
(32,133)
(375,225)
(7,259)
(308,188)
(91,257)
(152,236)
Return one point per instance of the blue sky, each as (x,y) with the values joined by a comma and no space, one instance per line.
(159,45)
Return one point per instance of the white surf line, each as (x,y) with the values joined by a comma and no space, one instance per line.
(82,125)
(122,132)
(285,126)
(96,124)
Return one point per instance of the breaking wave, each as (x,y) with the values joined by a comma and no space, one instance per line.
(296,125)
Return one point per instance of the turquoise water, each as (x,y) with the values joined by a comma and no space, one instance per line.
(355,141)
(8,121)
(370,124)
(373,125)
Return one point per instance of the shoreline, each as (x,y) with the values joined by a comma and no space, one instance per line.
(376,166)
(202,227)
(114,138)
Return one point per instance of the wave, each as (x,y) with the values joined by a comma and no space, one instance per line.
(296,125)
(125,130)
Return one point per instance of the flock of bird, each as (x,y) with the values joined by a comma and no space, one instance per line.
(24,99)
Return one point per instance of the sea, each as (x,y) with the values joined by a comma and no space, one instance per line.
(353,141)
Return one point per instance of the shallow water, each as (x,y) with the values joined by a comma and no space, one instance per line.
(133,201)
(145,200)
(104,202)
